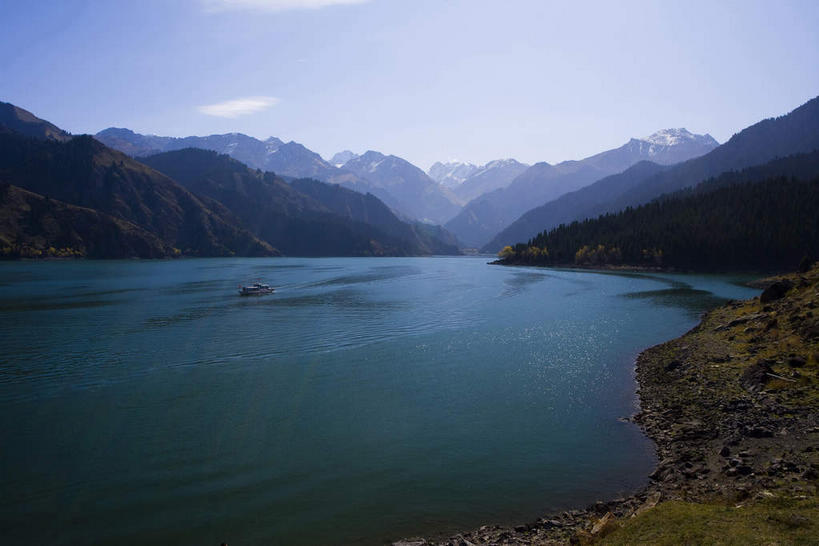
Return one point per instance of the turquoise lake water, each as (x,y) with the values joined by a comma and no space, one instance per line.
(145,402)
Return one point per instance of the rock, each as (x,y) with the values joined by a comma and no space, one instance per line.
(757,431)
(411,542)
(673,365)
(725,451)
(605,526)
(650,502)
(810,331)
(775,291)
(599,507)
(756,376)
(773,323)
(581,537)
(796,362)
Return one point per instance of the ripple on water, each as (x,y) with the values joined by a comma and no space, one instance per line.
(296,418)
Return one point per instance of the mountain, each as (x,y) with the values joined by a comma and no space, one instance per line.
(796,132)
(451,173)
(762,217)
(490,213)
(85,173)
(340,158)
(15,119)
(242,147)
(793,133)
(33,226)
(289,159)
(574,205)
(664,147)
(424,238)
(293,160)
(494,175)
(403,186)
(305,218)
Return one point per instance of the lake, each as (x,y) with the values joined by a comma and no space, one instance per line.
(145,402)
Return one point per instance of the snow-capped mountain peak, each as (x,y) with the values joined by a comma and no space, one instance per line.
(675,137)
(340,158)
(452,173)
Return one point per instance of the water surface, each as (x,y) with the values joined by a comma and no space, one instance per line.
(368,399)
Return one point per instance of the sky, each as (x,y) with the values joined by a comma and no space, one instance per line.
(471,80)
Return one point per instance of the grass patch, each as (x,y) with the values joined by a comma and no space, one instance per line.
(774,521)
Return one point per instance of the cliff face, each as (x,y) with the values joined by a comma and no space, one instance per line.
(733,407)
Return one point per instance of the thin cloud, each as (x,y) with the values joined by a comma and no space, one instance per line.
(238,107)
(274,5)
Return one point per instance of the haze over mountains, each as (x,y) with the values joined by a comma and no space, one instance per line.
(490,213)
(473,202)
(796,132)
(467,181)
(760,218)
(452,173)
(404,187)
(64,195)
(261,200)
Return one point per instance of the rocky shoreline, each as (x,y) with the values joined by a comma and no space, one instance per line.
(733,408)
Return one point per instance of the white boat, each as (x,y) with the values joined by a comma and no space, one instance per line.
(256,289)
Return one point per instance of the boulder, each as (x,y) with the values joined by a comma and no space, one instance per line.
(604,526)
(775,291)
(756,376)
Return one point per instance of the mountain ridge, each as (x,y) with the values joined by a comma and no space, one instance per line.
(290,216)
(794,132)
(489,214)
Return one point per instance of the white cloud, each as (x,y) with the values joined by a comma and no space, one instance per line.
(238,107)
(274,5)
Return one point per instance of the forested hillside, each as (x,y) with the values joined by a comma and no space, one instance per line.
(307,218)
(85,173)
(754,219)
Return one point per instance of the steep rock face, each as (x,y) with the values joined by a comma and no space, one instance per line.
(85,173)
(543,182)
(340,158)
(452,173)
(493,176)
(403,186)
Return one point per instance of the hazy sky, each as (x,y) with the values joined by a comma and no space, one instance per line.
(425,80)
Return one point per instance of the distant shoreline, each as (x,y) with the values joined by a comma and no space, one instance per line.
(757,283)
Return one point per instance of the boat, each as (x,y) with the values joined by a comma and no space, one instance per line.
(256,289)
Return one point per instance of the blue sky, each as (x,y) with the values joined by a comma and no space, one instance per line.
(425,80)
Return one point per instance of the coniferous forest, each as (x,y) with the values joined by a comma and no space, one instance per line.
(749,220)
